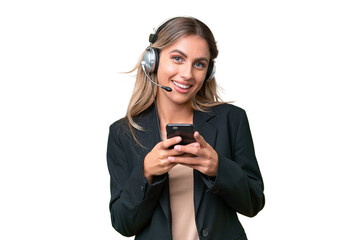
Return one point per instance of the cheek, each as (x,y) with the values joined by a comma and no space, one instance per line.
(200,78)
(164,73)
(198,87)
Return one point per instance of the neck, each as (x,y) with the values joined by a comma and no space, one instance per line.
(173,113)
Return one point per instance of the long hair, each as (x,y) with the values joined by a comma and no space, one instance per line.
(142,97)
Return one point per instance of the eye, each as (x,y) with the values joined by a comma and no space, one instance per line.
(199,65)
(177,58)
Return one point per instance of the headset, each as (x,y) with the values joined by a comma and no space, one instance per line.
(150,61)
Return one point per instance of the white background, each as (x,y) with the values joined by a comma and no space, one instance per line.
(292,65)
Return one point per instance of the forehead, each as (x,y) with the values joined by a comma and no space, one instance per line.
(193,46)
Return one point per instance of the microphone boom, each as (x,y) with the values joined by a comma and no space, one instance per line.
(168,89)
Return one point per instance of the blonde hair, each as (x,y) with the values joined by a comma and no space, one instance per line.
(142,96)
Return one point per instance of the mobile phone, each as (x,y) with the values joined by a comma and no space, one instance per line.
(185,131)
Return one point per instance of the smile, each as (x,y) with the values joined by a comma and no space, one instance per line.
(181,85)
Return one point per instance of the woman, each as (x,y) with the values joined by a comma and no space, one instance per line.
(190,191)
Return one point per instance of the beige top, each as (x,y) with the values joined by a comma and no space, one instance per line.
(181,188)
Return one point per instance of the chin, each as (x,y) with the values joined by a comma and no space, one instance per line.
(183,101)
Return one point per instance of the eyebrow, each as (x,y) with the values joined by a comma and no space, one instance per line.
(182,53)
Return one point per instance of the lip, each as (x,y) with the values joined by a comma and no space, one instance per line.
(180,89)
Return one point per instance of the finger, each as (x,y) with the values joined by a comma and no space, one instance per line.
(199,139)
(167,165)
(165,153)
(193,148)
(171,141)
(174,152)
(185,160)
(194,144)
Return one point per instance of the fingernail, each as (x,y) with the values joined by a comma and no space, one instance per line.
(177,148)
(171,159)
(178,139)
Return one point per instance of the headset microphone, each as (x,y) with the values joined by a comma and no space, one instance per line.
(168,89)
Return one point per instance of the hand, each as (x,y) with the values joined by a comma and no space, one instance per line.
(207,158)
(156,161)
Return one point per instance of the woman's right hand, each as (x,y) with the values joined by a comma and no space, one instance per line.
(156,161)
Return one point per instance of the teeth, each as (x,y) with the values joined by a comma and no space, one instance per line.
(181,85)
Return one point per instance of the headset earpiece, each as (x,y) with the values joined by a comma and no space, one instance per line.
(151,60)
(151,56)
(210,72)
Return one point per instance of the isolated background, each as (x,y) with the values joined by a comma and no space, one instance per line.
(292,65)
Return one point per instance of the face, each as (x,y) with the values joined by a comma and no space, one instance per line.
(183,66)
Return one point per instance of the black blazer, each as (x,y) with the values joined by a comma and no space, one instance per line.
(143,209)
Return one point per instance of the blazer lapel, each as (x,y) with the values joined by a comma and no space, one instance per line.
(165,201)
(151,136)
(208,132)
(202,125)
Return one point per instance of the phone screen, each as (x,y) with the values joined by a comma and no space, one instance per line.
(185,131)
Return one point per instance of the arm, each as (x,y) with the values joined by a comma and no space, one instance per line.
(133,198)
(238,181)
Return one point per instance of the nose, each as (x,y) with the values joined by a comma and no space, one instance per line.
(186,71)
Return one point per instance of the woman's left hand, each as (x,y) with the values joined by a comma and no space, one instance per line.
(206,159)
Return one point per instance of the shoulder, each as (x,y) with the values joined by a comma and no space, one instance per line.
(227,107)
(123,124)
(228,117)
(228,110)
(119,128)
(123,130)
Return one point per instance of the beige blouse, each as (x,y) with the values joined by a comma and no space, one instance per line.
(181,188)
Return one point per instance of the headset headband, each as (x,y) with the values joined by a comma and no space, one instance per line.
(153,37)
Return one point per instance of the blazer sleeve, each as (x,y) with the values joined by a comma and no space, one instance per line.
(133,198)
(238,181)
